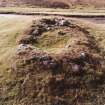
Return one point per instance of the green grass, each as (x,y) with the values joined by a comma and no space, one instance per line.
(51,39)
(10,29)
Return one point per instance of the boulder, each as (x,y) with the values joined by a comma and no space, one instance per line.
(27,39)
(36,33)
(83,55)
(48,21)
(61,33)
(63,22)
(39,30)
(23,48)
(45,58)
(76,68)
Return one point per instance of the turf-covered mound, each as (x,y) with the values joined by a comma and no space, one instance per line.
(57,63)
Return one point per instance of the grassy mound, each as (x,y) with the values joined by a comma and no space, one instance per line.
(57,62)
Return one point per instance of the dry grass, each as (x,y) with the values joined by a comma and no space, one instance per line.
(97,30)
(48,3)
(50,40)
(48,11)
(10,28)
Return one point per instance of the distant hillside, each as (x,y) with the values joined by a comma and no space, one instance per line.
(53,3)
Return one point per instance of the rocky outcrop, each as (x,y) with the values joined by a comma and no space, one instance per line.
(45,25)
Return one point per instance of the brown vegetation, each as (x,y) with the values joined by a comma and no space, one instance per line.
(53,3)
(63,78)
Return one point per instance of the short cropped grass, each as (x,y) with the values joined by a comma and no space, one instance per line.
(10,28)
